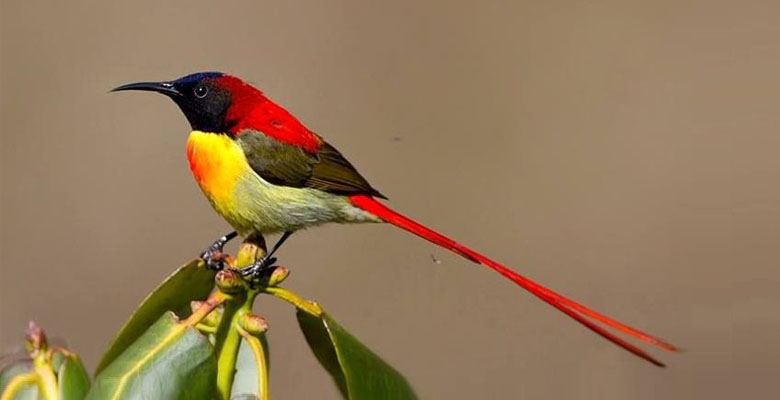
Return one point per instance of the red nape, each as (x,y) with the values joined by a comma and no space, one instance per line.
(569,307)
(250,109)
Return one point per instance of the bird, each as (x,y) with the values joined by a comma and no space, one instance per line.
(265,172)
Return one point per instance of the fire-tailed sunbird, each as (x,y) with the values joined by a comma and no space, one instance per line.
(265,172)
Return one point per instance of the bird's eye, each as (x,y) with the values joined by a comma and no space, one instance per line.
(201,92)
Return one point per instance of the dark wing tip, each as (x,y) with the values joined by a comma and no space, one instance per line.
(375,193)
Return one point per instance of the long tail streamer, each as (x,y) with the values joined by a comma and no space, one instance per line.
(569,307)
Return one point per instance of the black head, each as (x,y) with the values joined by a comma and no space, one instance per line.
(199,96)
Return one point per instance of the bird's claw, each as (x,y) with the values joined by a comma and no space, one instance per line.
(213,259)
(255,271)
(214,256)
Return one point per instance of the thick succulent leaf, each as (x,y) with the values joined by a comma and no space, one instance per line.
(170,361)
(11,370)
(72,379)
(190,282)
(358,372)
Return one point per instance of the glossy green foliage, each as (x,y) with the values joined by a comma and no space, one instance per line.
(171,360)
(190,282)
(72,379)
(245,383)
(218,352)
(358,372)
(13,369)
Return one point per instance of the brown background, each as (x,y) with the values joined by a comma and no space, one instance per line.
(624,153)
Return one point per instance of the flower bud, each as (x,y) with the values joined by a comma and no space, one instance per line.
(228,281)
(278,275)
(255,325)
(34,337)
(248,253)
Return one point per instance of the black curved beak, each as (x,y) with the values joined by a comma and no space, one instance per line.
(165,88)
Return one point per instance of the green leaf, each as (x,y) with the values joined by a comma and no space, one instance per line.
(245,379)
(190,282)
(358,372)
(72,379)
(13,369)
(169,361)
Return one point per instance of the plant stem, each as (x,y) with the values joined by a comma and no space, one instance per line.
(17,383)
(47,381)
(228,341)
(208,306)
(296,300)
(260,359)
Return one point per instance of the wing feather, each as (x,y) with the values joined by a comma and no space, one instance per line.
(284,164)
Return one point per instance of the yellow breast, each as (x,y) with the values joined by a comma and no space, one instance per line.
(217,162)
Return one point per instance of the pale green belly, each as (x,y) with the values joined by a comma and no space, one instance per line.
(261,207)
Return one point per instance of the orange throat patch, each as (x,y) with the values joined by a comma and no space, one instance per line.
(217,163)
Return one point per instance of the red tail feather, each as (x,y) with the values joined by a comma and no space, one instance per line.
(569,307)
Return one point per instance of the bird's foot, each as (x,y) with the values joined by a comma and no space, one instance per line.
(256,270)
(214,256)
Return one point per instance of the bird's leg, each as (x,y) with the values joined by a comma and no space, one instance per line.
(254,271)
(213,256)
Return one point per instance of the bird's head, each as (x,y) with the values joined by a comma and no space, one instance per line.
(211,101)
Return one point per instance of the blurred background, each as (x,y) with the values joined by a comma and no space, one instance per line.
(624,153)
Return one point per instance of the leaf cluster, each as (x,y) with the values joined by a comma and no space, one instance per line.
(196,337)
